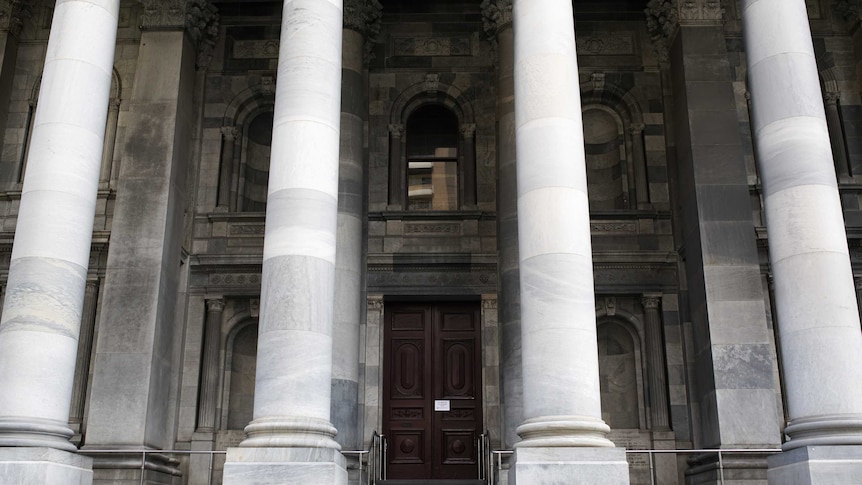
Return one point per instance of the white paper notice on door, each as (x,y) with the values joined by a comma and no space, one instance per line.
(442,405)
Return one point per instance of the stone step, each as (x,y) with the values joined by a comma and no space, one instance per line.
(431,482)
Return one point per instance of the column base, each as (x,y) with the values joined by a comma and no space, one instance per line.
(820,465)
(278,466)
(44,466)
(572,466)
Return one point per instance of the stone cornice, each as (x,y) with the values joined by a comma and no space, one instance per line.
(665,16)
(496,15)
(13,13)
(198,17)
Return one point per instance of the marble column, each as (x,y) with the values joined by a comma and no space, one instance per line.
(349,263)
(134,354)
(210,369)
(291,432)
(226,168)
(562,406)
(498,25)
(48,269)
(656,374)
(821,341)
(836,136)
(12,16)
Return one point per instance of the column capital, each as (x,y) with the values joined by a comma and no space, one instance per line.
(396,130)
(363,16)
(851,10)
(664,18)
(198,17)
(636,128)
(13,13)
(468,130)
(229,132)
(831,99)
(651,301)
(215,304)
(375,303)
(496,16)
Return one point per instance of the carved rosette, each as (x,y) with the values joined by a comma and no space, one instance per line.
(496,15)
(365,17)
(198,17)
(13,13)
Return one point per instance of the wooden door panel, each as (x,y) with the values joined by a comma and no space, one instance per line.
(432,352)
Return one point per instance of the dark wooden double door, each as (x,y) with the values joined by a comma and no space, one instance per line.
(432,405)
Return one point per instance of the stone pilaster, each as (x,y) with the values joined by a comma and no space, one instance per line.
(397,174)
(821,341)
(836,135)
(82,365)
(210,370)
(639,161)
(497,16)
(732,349)
(12,16)
(656,373)
(291,432)
(468,165)
(42,311)
(226,197)
(134,350)
(562,408)
(110,142)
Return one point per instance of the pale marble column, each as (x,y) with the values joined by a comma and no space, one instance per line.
(229,134)
(48,269)
(498,25)
(294,361)
(820,335)
(210,370)
(655,362)
(562,404)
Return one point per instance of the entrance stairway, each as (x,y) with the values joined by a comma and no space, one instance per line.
(431,482)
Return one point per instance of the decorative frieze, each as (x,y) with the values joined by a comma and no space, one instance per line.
(607,44)
(496,15)
(255,49)
(613,227)
(13,13)
(199,17)
(432,46)
(432,228)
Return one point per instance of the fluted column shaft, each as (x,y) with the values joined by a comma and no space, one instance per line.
(210,365)
(294,360)
(655,362)
(110,142)
(820,336)
(229,134)
(560,357)
(48,269)
(639,161)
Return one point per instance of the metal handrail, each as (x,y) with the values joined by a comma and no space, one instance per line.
(145,452)
(484,459)
(651,455)
(376,459)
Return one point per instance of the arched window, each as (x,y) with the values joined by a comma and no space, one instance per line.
(243,364)
(432,159)
(606,175)
(254,171)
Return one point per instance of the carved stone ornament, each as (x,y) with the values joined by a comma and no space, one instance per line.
(496,15)
(199,17)
(665,16)
(851,10)
(365,17)
(13,13)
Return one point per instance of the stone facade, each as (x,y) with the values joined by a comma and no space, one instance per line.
(690,233)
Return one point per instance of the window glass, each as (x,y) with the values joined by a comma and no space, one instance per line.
(432,159)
